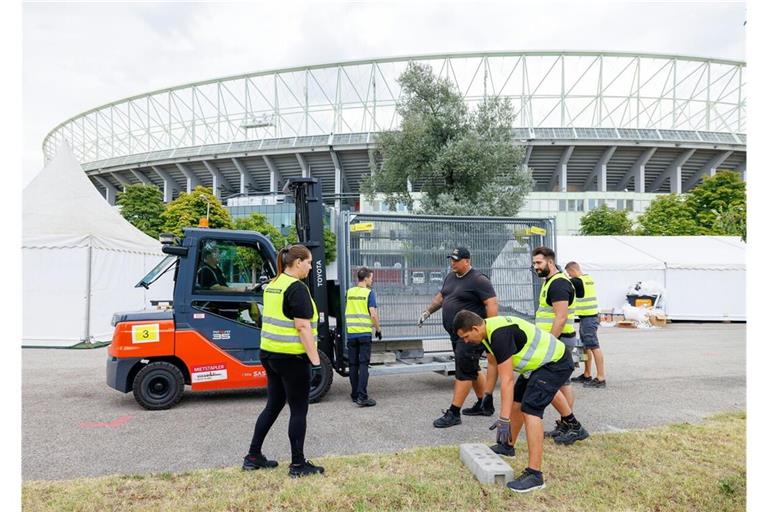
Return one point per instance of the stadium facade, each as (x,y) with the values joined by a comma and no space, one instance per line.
(598,127)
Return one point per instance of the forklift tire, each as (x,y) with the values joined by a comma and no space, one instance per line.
(158,386)
(320,380)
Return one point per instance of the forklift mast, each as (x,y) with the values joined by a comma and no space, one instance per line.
(308,198)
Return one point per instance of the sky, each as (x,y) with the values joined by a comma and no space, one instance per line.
(77,56)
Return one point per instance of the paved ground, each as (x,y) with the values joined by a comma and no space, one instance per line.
(73,425)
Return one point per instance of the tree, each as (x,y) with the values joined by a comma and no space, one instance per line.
(187,209)
(718,204)
(258,222)
(329,242)
(142,205)
(606,221)
(668,215)
(464,163)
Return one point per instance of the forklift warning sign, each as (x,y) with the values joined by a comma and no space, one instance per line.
(145,333)
(209,372)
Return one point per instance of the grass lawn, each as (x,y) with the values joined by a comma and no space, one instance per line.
(678,467)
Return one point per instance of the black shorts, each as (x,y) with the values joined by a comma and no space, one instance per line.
(588,331)
(537,391)
(467,358)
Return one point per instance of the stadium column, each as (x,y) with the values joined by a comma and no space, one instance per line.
(111,190)
(120,179)
(274,175)
(560,177)
(192,180)
(637,172)
(708,169)
(141,177)
(303,165)
(600,171)
(674,172)
(742,168)
(246,183)
(338,177)
(169,184)
(217,179)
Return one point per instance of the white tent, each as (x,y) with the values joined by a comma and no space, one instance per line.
(81,259)
(704,277)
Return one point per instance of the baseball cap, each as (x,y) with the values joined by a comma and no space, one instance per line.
(459,253)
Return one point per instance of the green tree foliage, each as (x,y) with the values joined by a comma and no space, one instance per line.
(668,215)
(465,163)
(142,205)
(329,242)
(258,222)
(606,221)
(187,209)
(719,204)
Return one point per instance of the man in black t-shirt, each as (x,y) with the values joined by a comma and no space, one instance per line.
(464,288)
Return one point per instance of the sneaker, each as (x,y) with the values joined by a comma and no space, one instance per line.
(306,468)
(251,462)
(560,427)
(581,378)
(572,435)
(475,410)
(448,419)
(595,383)
(527,481)
(365,402)
(503,449)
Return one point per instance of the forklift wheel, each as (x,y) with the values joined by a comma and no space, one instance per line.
(158,385)
(321,379)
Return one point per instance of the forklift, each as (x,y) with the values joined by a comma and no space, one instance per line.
(209,339)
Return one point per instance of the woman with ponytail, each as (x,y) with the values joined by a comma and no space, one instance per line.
(288,347)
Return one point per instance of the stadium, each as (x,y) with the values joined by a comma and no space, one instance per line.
(598,127)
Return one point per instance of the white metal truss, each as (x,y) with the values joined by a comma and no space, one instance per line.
(548,89)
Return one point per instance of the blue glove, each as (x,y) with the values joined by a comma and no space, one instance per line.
(502,431)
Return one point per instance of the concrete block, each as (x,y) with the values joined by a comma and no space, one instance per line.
(383,357)
(488,467)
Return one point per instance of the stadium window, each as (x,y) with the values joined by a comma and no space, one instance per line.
(579,205)
(600,202)
(619,204)
(562,206)
(630,206)
(592,204)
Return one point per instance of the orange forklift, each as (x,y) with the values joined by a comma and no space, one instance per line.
(210,338)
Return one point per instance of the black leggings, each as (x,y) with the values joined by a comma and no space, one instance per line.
(287,380)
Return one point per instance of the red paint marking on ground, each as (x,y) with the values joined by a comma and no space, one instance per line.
(122,420)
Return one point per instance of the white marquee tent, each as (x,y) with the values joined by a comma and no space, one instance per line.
(81,259)
(704,277)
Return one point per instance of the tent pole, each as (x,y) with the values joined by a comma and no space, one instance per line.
(87,334)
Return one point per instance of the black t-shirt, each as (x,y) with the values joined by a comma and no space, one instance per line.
(578,285)
(559,290)
(207,276)
(297,302)
(466,292)
(506,341)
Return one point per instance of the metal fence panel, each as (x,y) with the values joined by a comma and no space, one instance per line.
(408,254)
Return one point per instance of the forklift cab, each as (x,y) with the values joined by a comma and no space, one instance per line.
(218,291)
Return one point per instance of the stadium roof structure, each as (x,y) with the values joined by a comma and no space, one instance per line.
(590,121)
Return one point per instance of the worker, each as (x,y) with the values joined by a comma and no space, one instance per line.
(209,274)
(464,288)
(361,317)
(556,314)
(589,321)
(544,364)
(288,347)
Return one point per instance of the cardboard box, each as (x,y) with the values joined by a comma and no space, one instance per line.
(658,320)
(627,324)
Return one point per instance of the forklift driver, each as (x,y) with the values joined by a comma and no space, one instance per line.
(211,277)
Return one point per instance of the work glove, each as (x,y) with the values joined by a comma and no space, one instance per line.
(423,318)
(502,431)
(378,335)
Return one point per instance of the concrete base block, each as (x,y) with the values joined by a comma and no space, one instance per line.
(488,467)
(383,357)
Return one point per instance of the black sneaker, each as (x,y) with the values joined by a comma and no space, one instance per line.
(306,468)
(251,462)
(365,402)
(503,449)
(527,481)
(595,383)
(560,427)
(572,435)
(581,378)
(475,410)
(448,419)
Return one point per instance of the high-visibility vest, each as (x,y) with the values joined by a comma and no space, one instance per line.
(540,346)
(587,306)
(545,315)
(278,332)
(357,317)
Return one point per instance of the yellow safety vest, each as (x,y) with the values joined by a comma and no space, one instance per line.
(540,347)
(545,315)
(278,332)
(356,315)
(587,306)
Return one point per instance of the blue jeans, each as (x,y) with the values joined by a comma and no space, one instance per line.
(359,359)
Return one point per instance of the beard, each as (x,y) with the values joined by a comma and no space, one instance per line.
(543,273)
